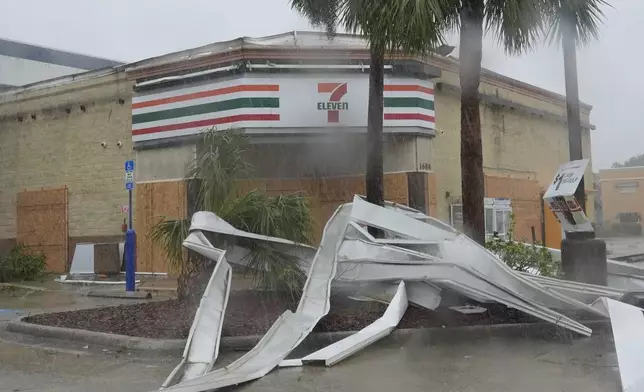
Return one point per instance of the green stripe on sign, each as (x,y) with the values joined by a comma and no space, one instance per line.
(395,102)
(237,103)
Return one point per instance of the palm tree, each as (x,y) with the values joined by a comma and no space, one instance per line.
(388,25)
(573,22)
(518,25)
(212,181)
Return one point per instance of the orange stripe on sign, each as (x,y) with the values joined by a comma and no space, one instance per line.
(209,93)
(409,116)
(208,123)
(327,87)
(409,87)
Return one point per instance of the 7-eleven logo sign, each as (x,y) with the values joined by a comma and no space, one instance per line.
(333,106)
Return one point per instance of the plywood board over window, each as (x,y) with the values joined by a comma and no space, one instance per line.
(42,225)
(156,201)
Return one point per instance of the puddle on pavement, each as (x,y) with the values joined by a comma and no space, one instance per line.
(15,298)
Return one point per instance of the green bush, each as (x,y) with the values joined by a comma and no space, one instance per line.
(19,265)
(533,258)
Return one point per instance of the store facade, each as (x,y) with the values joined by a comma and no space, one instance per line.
(302,99)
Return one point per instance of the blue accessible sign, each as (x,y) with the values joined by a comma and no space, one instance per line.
(129,175)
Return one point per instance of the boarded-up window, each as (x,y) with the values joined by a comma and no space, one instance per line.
(42,225)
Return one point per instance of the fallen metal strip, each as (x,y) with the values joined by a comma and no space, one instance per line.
(627,322)
(462,250)
(209,221)
(475,256)
(423,294)
(395,222)
(375,331)
(367,251)
(459,278)
(291,328)
(584,292)
(202,346)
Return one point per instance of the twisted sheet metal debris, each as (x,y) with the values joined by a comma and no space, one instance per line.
(291,328)
(202,346)
(336,352)
(418,260)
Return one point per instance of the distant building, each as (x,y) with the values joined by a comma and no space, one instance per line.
(22,64)
(622,198)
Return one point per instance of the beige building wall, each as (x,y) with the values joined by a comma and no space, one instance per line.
(51,137)
(515,144)
(622,191)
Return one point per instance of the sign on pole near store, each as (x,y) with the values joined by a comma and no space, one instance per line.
(560,196)
(129,175)
(130,234)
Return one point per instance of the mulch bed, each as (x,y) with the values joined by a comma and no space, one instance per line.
(251,313)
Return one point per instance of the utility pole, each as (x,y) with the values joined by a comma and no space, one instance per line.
(583,257)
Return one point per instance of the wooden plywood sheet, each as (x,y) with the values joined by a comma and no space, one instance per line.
(156,201)
(42,225)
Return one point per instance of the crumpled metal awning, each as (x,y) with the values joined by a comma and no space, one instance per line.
(418,259)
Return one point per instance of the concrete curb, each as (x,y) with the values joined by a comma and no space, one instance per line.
(23,286)
(313,341)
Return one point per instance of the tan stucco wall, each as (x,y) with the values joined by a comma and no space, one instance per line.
(614,202)
(58,143)
(59,148)
(515,144)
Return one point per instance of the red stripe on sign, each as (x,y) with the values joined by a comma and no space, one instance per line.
(209,93)
(409,87)
(409,116)
(208,123)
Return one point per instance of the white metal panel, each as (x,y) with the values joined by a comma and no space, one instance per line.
(83,260)
(202,346)
(392,221)
(627,322)
(375,331)
(459,278)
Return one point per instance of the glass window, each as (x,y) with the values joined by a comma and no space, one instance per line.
(489,221)
(500,222)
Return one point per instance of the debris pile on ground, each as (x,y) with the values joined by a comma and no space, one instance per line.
(417,261)
(252,313)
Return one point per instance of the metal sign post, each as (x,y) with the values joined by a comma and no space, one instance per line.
(130,235)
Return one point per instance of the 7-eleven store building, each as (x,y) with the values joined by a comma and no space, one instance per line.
(303,100)
(307,121)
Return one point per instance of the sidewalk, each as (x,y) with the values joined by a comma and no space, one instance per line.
(484,365)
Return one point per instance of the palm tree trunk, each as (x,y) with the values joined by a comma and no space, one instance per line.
(375,173)
(195,272)
(572,98)
(374,178)
(472,177)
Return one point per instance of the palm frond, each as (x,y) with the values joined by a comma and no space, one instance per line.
(283,216)
(274,271)
(213,175)
(396,25)
(516,24)
(169,234)
(320,13)
(585,15)
(220,161)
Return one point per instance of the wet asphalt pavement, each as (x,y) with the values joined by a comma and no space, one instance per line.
(484,365)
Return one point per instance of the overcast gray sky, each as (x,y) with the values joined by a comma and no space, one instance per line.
(610,70)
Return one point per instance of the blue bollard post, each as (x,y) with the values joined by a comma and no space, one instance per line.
(130,260)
